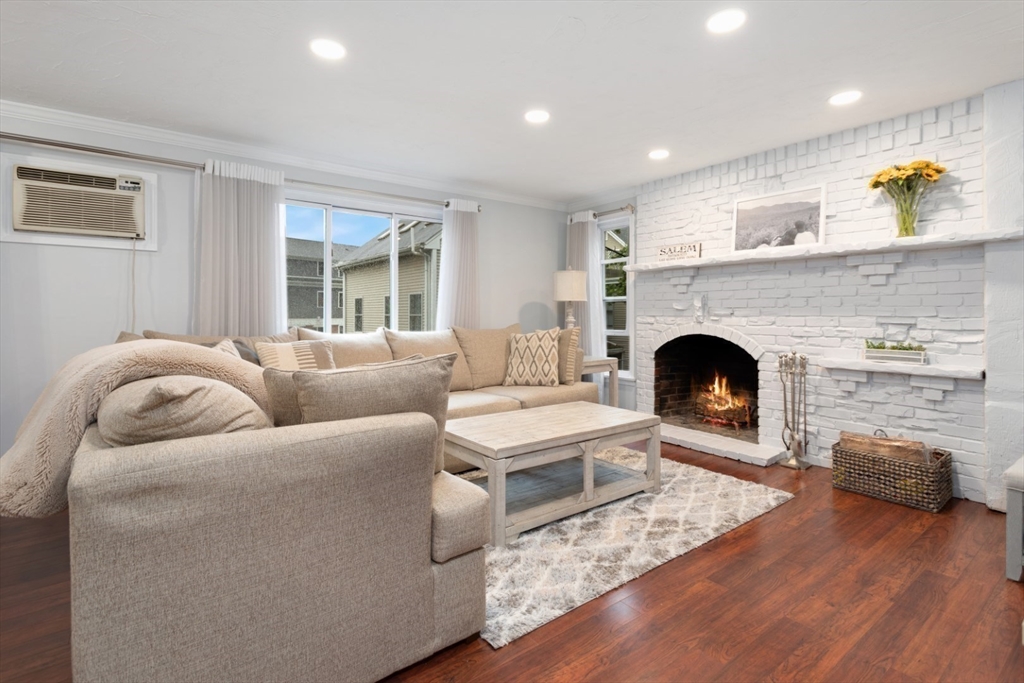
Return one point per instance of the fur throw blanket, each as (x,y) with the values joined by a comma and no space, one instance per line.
(34,472)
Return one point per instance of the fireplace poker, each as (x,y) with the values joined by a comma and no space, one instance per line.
(793,368)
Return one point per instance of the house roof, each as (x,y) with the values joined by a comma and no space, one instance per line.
(411,233)
(314,250)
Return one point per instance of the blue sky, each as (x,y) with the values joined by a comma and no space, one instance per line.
(307,223)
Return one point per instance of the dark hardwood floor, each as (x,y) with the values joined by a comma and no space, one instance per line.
(831,586)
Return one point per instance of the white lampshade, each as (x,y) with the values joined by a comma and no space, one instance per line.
(571,285)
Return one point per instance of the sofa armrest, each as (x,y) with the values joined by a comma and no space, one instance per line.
(461,517)
(295,553)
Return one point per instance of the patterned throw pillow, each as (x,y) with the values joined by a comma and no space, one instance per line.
(533,359)
(300,355)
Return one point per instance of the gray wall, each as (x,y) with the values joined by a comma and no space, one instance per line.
(56,302)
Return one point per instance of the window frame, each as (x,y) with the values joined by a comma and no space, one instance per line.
(610,223)
(357,314)
(396,210)
(415,315)
(320,298)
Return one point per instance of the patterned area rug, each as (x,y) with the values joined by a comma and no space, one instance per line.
(555,568)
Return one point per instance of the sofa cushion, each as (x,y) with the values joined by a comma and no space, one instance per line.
(175,407)
(534,397)
(533,359)
(300,355)
(227,346)
(353,349)
(410,386)
(460,517)
(486,353)
(472,403)
(568,343)
(405,344)
(123,337)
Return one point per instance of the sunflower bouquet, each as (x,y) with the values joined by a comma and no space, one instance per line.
(906,184)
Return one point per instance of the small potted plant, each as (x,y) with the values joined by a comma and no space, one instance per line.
(895,353)
(906,184)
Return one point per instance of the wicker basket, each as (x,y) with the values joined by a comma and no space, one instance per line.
(919,485)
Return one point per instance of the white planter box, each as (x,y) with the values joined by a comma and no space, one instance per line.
(890,356)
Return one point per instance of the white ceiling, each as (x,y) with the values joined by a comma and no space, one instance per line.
(437,90)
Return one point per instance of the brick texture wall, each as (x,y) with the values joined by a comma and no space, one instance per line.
(829,305)
(697,206)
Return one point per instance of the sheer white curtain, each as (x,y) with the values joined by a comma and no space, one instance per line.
(458,302)
(240,282)
(583,252)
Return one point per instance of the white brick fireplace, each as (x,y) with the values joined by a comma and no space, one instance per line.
(957,289)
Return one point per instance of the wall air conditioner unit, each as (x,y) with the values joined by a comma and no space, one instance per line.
(74,203)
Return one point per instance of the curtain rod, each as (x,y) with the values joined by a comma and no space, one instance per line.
(192,165)
(628,208)
(369,193)
(105,151)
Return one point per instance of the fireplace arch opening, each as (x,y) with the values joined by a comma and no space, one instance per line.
(707,383)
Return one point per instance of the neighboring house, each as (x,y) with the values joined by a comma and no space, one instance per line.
(366,273)
(305,272)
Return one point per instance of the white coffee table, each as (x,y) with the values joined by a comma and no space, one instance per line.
(504,443)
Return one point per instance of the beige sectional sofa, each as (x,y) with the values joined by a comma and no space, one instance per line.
(328,551)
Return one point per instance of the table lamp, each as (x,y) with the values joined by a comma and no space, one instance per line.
(570,286)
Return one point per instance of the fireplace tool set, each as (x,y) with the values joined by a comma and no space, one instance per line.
(793,373)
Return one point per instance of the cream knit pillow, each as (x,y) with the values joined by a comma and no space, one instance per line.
(300,355)
(533,359)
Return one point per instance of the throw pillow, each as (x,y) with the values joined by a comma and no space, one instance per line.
(300,355)
(409,386)
(486,353)
(355,348)
(568,342)
(405,344)
(175,407)
(533,360)
(284,402)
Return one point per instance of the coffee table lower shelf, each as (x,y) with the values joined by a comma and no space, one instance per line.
(537,496)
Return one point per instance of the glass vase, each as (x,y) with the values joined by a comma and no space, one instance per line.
(906,221)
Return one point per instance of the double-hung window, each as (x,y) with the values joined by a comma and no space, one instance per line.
(416,312)
(617,233)
(348,258)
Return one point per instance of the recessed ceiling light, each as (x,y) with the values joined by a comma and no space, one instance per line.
(328,49)
(726,20)
(848,97)
(658,154)
(537,116)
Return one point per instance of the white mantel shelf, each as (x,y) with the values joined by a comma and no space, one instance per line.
(948,240)
(950,371)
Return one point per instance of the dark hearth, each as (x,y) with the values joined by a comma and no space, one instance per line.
(707,383)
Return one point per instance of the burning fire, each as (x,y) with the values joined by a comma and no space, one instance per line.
(720,398)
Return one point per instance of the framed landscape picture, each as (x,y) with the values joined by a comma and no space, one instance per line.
(781,219)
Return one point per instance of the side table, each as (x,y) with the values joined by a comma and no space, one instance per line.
(598,364)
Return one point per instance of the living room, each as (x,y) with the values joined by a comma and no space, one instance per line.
(709,317)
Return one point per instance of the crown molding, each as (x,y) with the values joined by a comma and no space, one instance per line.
(10,110)
(593,201)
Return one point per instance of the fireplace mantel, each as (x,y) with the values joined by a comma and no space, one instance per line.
(896,244)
